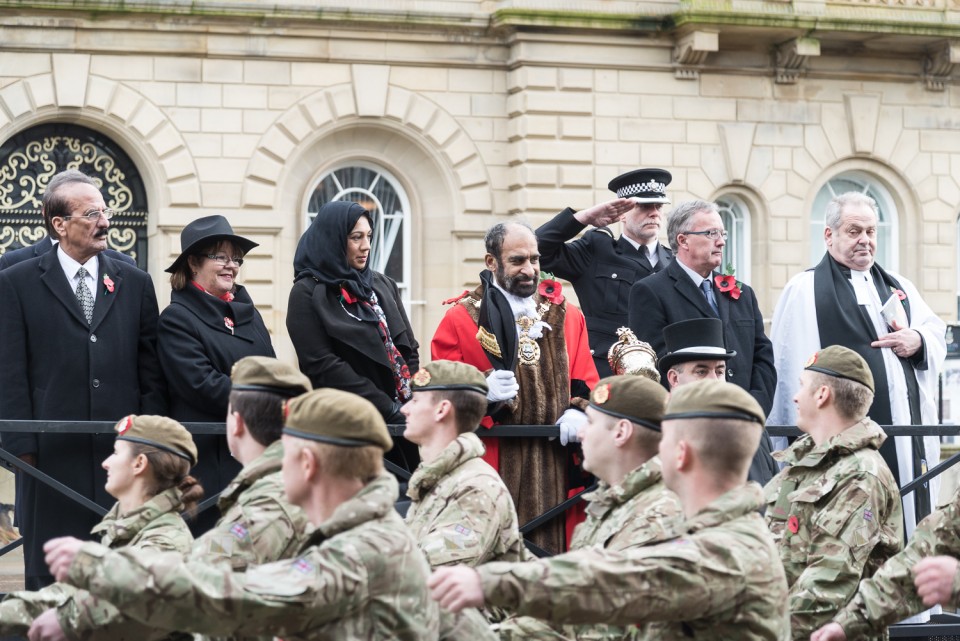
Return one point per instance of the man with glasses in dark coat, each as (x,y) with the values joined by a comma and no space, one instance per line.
(79,343)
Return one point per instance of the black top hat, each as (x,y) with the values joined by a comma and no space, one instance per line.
(204,231)
(697,339)
(642,185)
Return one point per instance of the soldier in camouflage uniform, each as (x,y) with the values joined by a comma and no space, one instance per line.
(721,578)
(359,576)
(461,512)
(258,525)
(835,511)
(152,447)
(894,592)
(631,507)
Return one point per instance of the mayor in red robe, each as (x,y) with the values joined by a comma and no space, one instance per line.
(543,340)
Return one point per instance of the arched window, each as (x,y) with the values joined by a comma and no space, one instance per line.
(377,191)
(887,234)
(736,220)
(31,158)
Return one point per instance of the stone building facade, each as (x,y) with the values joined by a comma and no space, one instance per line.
(448,115)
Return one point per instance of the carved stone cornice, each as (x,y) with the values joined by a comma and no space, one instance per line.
(791,58)
(939,63)
(690,52)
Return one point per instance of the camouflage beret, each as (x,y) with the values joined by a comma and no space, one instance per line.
(634,398)
(841,362)
(264,374)
(160,432)
(336,417)
(713,399)
(449,375)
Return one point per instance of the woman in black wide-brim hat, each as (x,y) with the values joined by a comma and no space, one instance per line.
(210,324)
(347,321)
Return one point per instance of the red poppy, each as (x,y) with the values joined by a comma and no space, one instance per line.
(108,283)
(900,294)
(729,285)
(346,296)
(793,524)
(228,323)
(551,290)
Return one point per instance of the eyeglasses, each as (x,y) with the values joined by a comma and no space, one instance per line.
(223,259)
(94,214)
(712,234)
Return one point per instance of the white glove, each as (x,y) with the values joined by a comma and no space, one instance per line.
(570,423)
(502,386)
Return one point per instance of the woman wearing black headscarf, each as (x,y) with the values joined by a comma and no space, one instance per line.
(346,321)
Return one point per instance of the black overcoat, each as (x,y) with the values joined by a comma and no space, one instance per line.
(671,296)
(340,351)
(57,367)
(602,269)
(197,352)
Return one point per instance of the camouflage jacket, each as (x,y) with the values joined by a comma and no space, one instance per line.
(890,595)
(836,516)
(155,525)
(636,512)
(720,579)
(257,526)
(359,576)
(461,510)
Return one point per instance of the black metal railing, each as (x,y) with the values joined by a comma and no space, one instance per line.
(8,460)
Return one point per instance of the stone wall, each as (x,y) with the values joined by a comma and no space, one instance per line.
(479,120)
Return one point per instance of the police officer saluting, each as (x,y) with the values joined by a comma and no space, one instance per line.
(602,267)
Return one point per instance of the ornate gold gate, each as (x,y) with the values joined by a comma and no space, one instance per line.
(32,157)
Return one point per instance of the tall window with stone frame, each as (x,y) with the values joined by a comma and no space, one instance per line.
(736,220)
(380,193)
(888,255)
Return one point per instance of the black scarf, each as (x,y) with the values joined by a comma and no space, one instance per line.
(322,250)
(497,318)
(842,321)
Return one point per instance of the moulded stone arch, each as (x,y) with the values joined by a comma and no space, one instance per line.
(412,115)
(69,92)
(906,198)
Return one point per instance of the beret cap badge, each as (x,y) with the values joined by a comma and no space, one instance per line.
(124,425)
(422,377)
(812,359)
(602,394)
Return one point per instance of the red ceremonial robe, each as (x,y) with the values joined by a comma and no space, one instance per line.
(456,339)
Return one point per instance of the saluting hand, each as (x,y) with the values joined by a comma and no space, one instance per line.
(456,588)
(605,213)
(829,632)
(934,577)
(59,555)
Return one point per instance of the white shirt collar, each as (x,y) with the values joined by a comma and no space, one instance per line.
(694,276)
(70,267)
(652,255)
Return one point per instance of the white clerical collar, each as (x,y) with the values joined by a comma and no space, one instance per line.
(70,267)
(859,275)
(519,305)
(694,276)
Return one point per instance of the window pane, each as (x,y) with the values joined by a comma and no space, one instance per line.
(736,252)
(380,194)
(887,254)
